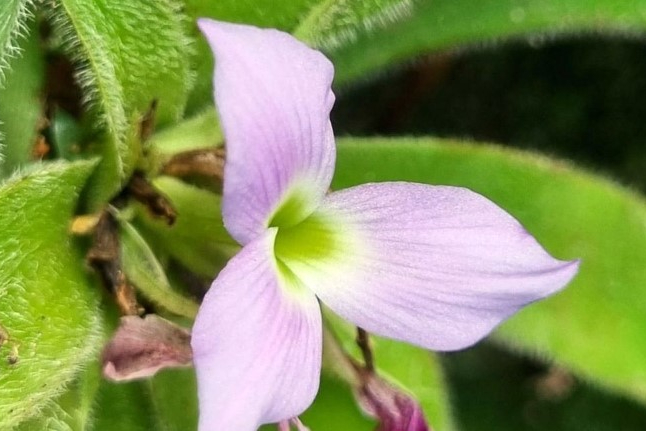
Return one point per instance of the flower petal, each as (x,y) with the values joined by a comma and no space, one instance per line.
(256,344)
(435,266)
(274,97)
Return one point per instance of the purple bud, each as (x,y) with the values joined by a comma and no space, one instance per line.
(395,410)
(141,347)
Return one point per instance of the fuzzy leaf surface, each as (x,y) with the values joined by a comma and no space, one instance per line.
(72,410)
(333,23)
(13,15)
(128,54)
(49,317)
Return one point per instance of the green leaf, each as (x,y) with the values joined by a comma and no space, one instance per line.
(20,104)
(167,402)
(144,270)
(49,318)
(447,24)
(333,23)
(416,370)
(124,406)
(596,326)
(66,135)
(71,411)
(198,238)
(174,394)
(201,131)
(128,55)
(283,15)
(13,14)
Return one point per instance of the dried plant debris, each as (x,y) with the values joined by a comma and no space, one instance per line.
(105,258)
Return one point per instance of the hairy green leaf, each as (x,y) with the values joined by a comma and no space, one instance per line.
(448,24)
(20,105)
(333,23)
(49,322)
(128,55)
(595,327)
(13,15)
(71,411)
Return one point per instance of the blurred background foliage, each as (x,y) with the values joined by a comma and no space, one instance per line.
(577,98)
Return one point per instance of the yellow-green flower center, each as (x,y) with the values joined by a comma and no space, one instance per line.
(302,240)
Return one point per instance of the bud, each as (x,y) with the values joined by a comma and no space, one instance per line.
(395,410)
(143,346)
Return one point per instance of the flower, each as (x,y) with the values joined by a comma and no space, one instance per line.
(435,266)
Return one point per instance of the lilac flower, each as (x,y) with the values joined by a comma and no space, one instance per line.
(434,266)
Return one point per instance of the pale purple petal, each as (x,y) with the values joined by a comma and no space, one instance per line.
(256,344)
(141,347)
(274,96)
(435,266)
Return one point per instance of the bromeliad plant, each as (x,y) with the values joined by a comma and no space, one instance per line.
(431,265)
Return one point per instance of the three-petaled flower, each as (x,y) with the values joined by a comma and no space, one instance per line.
(435,266)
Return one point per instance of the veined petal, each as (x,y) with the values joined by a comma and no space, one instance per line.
(435,266)
(274,96)
(256,344)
